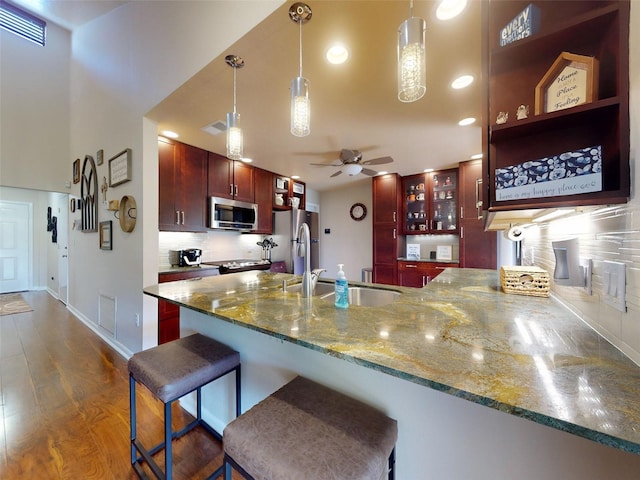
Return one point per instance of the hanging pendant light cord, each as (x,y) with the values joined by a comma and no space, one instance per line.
(235,69)
(300,24)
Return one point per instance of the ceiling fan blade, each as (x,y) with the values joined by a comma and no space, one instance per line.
(378,161)
(368,171)
(327,164)
(336,174)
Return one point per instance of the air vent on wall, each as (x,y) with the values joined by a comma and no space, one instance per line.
(215,128)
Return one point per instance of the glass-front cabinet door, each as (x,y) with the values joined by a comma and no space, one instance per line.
(444,204)
(416,217)
(431,202)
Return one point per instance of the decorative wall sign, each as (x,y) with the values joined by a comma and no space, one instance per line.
(413,251)
(444,252)
(105,235)
(120,168)
(89,195)
(524,24)
(571,81)
(100,157)
(570,173)
(76,170)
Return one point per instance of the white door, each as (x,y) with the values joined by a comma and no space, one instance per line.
(63,249)
(14,246)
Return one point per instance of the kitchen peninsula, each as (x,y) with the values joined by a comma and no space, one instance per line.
(435,359)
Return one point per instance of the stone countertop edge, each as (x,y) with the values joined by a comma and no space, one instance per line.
(446,285)
(427,260)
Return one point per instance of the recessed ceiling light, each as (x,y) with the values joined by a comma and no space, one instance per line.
(383,172)
(477,156)
(295,177)
(169,134)
(462,82)
(466,121)
(337,54)
(428,170)
(246,159)
(449,9)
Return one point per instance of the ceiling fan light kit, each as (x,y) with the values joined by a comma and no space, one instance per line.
(234,132)
(352,169)
(412,70)
(300,105)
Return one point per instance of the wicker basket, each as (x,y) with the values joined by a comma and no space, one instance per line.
(533,281)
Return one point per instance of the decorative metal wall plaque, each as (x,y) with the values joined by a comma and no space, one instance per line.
(89,195)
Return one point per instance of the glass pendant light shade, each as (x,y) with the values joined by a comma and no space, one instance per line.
(300,107)
(234,136)
(352,169)
(412,71)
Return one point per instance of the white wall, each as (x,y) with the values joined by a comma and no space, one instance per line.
(349,242)
(123,64)
(34,111)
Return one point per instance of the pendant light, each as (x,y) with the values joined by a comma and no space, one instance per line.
(234,132)
(300,106)
(412,70)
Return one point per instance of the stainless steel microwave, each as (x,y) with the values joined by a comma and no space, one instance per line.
(229,214)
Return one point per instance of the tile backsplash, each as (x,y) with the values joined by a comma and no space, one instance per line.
(605,234)
(215,245)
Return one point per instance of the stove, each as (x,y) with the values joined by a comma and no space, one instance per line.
(233,266)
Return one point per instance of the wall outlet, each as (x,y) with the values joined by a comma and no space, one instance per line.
(614,284)
(137,317)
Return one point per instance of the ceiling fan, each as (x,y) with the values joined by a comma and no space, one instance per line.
(351,163)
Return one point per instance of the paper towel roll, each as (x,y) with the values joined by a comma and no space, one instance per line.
(515,234)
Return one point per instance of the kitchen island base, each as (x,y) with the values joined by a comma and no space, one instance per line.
(439,435)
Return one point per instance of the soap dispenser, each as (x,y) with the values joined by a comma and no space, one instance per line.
(341,289)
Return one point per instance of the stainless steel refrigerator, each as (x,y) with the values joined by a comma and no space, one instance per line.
(285,234)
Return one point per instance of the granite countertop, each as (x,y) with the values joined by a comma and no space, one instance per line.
(527,356)
(176,269)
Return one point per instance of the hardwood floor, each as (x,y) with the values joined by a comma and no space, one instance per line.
(65,404)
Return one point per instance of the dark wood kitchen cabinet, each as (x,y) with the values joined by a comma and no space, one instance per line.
(543,145)
(169,313)
(230,179)
(263,182)
(418,274)
(387,241)
(182,187)
(478,249)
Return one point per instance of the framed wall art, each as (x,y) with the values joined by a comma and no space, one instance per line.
(106,235)
(120,168)
(76,171)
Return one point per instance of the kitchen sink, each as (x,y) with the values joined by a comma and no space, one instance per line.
(367,297)
(320,290)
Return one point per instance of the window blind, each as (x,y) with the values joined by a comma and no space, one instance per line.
(22,23)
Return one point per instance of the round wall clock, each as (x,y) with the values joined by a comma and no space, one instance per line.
(358,211)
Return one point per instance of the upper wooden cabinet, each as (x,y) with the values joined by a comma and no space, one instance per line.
(544,146)
(230,178)
(182,187)
(431,203)
(263,181)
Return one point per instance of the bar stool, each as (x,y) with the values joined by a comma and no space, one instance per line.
(306,430)
(170,371)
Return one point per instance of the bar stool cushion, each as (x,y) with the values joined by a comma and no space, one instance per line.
(306,430)
(176,368)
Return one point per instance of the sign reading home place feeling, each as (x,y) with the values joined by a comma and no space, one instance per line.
(524,24)
(569,173)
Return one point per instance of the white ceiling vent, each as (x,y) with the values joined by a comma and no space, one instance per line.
(215,128)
